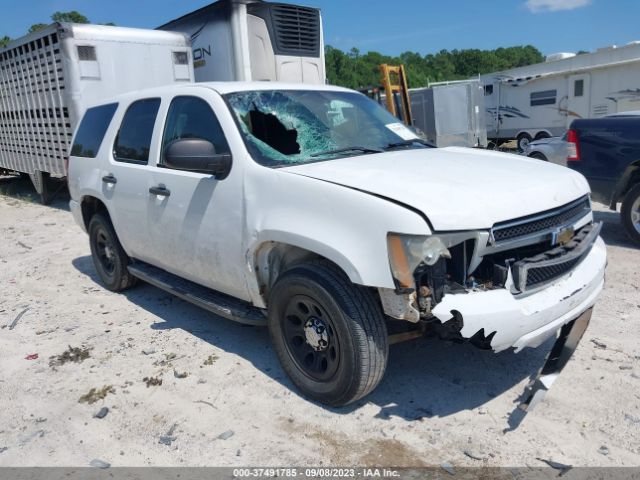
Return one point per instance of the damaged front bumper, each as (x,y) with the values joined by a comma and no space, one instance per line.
(527,319)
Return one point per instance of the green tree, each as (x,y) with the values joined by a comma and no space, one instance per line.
(4,41)
(71,17)
(37,26)
(355,69)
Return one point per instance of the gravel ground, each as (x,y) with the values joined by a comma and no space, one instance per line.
(438,402)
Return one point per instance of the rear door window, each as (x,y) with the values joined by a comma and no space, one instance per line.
(134,137)
(92,129)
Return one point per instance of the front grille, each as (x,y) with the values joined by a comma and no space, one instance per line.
(297,30)
(540,275)
(533,272)
(541,223)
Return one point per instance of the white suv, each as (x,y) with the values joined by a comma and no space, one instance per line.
(314,211)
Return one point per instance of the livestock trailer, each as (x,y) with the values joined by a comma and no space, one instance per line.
(253,40)
(542,100)
(450,114)
(47,79)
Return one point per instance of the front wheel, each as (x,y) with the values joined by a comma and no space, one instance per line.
(329,334)
(630,213)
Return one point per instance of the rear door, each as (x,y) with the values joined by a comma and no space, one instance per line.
(195,220)
(127,177)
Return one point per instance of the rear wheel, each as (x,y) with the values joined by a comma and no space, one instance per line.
(524,139)
(329,334)
(109,258)
(630,213)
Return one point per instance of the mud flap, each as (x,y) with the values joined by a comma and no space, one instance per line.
(566,344)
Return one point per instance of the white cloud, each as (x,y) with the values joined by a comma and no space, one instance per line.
(537,6)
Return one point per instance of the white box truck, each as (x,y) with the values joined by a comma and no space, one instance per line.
(48,77)
(542,100)
(252,40)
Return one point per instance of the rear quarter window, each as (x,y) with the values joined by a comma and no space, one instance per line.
(92,129)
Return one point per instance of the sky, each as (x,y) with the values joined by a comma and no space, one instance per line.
(424,26)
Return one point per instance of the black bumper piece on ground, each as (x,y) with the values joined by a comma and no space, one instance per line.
(566,344)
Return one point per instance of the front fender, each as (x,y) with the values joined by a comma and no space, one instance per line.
(347,226)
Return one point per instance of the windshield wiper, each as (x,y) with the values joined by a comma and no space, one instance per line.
(408,143)
(347,149)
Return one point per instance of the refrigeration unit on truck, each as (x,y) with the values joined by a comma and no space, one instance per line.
(252,40)
(48,77)
(542,100)
(450,114)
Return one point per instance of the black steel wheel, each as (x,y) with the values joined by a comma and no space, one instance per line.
(310,337)
(329,334)
(109,258)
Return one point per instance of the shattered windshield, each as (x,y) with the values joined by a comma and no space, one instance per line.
(290,127)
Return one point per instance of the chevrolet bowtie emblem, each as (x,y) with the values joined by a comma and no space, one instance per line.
(562,236)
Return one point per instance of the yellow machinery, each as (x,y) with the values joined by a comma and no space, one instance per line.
(394,83)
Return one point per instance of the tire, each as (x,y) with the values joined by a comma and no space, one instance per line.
(315,305)
(538,156)
(523,141)
(630,213)
(109,258)
(541,135)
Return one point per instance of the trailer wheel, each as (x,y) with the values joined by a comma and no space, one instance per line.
(329,334)
(630,213)
(524,139)
(109,258)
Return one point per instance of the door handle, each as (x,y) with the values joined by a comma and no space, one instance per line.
(160,191)
(110,179)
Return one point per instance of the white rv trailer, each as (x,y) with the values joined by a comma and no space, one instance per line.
(253,40)
(542,100)
(49,76)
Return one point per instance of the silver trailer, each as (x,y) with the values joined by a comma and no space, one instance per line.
(450,114)
(47,79)
(253,40)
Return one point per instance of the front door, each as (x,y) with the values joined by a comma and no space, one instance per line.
(195,220)
(579,97)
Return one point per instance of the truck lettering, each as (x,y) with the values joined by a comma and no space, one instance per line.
(199,55)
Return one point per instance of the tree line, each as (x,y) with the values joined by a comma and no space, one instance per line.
(357,70)
(71,17)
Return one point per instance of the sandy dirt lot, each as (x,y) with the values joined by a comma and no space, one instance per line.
(438,402)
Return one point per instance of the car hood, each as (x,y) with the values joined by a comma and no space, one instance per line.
(456,188)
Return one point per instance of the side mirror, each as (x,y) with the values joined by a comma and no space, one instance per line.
(197,155)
